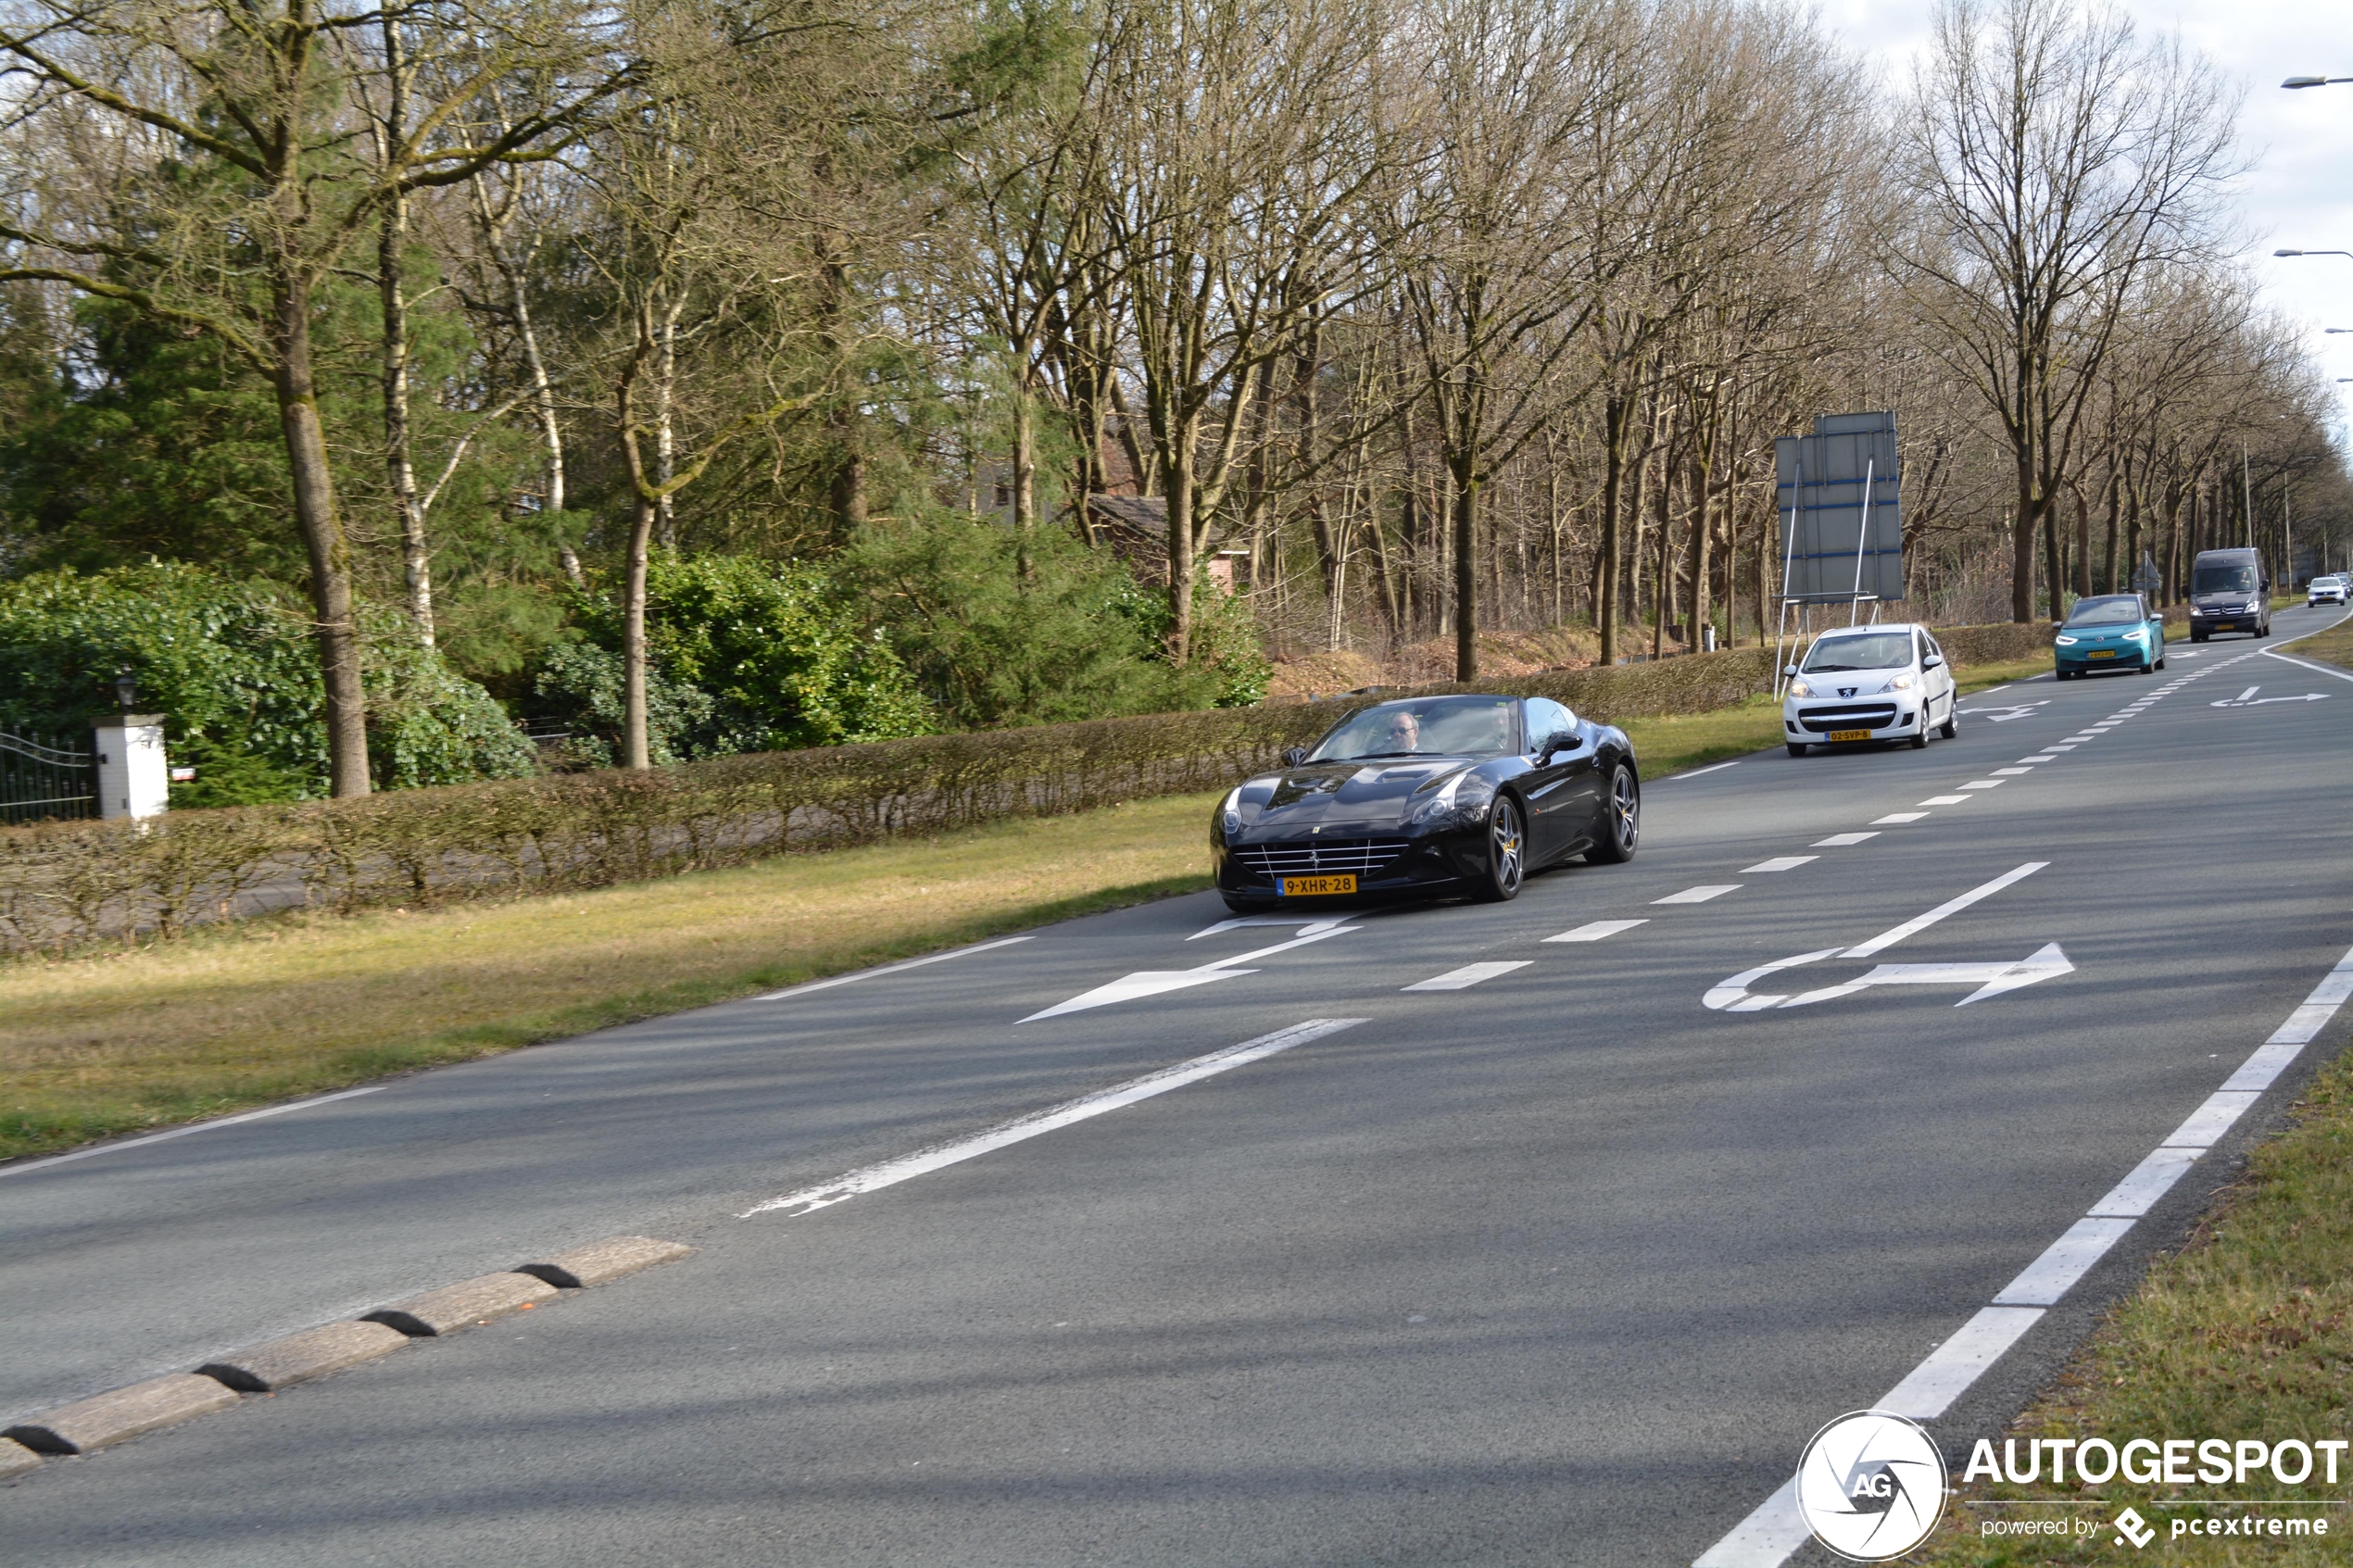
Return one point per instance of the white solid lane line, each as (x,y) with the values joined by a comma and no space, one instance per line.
(886,968)
(1888,938)
(21,1166)
(1774,1530)
(1780,863)
(1594,931)
(1695,772)
(2150,1180)
(1930,1389)
(2069,1258)
(1463,979)
(2316,669)
(890,1172)
(1841,840)
(1898,817)
(1699,895)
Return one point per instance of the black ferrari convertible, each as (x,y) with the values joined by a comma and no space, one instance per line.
(1429,797)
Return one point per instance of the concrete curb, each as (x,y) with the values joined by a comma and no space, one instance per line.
(299,1357)
(93,1423)
(462,1305)
(602,1260)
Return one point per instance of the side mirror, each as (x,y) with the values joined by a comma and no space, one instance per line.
(1930,662)
(1789,668)
(1294,757)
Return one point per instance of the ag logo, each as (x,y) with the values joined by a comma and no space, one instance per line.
(1871,1486)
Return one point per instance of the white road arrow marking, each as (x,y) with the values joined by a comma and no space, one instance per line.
(1153,982)
(2004,715)
(1991,979)
(2248,699)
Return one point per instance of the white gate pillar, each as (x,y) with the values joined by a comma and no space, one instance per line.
(134,780)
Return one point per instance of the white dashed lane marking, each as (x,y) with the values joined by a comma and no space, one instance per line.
(1841,840)
(1699,895)
(1594,931)
(1468,975)
(1983,784)
(1946,801)
(1898,817)
(1780,863)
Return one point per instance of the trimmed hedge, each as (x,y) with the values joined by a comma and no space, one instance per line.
(67,883)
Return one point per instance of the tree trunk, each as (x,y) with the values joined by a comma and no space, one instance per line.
(1614,413)
(1463,476)
(2083,546)
(400,472)
(322,537)
(2024,524)
(1180,546)
(635,741)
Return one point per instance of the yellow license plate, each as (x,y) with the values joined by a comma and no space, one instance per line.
(1850,734)
(2101,653)
(1301,886)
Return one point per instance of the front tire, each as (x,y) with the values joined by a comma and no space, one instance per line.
(1951,728)
(1796,748)
(1621,824)
(1506,853)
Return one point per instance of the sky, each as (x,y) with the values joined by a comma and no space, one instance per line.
(2299,193)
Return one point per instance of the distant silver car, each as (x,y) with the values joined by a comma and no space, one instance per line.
(2321,590)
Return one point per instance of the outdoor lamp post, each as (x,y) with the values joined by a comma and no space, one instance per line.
(2295,81)
(2314,253)
(126,691)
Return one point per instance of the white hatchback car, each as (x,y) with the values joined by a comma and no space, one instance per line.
(2326,591)
(1869,683)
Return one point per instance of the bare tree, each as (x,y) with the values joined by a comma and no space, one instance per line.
(2055,159)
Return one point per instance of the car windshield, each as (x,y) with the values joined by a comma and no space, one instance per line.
(2104,612)
(1437,726)
(1876,650)
(2237,579)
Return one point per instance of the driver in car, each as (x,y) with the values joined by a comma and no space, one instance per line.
(1402,733)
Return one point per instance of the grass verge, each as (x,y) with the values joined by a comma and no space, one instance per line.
(2245,1333)
(2331,646)
(249,1012)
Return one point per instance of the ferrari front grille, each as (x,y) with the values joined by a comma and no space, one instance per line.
(1361,856)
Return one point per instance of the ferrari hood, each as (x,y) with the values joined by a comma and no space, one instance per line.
(1370,795)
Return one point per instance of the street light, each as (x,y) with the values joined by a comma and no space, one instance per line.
(2313,253)
(2314,81)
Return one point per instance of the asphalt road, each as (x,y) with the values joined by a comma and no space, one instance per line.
(1560,1265)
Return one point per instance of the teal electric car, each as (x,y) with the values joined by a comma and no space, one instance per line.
(2109,632)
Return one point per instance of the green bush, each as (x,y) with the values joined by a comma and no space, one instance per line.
(750,655)
(1074,637)
(231,668)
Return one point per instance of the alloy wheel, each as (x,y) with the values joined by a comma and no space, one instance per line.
(1626,812)
(1507,848)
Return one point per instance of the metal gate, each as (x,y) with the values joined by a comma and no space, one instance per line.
(40,780)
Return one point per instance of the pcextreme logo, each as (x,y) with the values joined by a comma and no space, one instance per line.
(1871,1486)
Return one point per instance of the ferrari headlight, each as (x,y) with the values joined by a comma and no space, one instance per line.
(2066,641)
(1465,796)
(1799,688)
(1229,816)
(1900,684)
